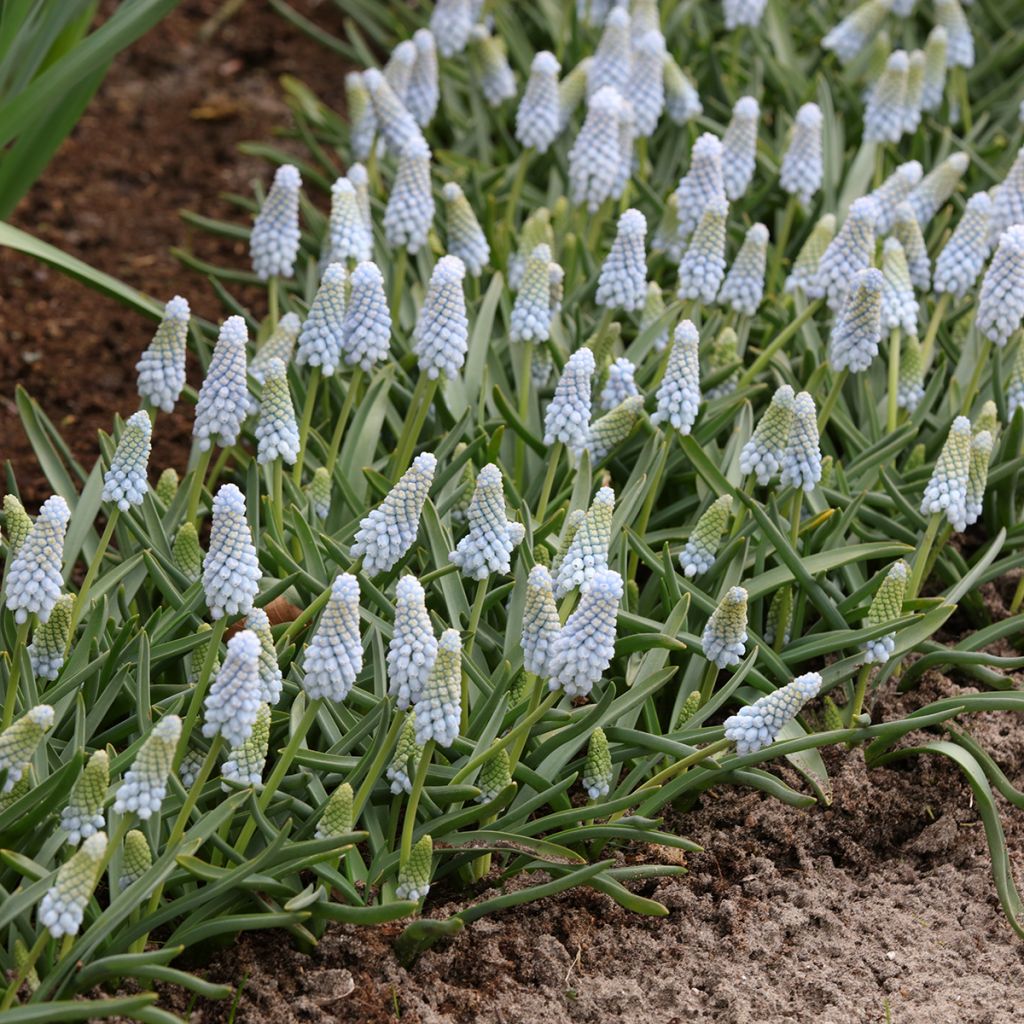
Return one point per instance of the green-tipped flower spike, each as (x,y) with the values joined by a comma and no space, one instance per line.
(743,12)
(916,458)
(34,582)
(987,419)
(231,570)
(963,256)
(947,490)
(124,483)
(899,304)
(21,788)
(390,529)
(698,555)
(623,280)
(441,337)
(597,769)
(321,336)
(19,741)
(394,122)
(587,552)
(726,631)
(270,672)
(233,701)
(773,621)
(1015,388)
(804,273)
(495,776)
(197,658)
(682,101)
(410,209)
(743,287)
(595,154)
(690,707)
(679,391)
(167,485)
(832,717)
(935,188)
(703,264)
(25,966)
(337,818)
(854,32)
(567,418)
(347,235)
(584,648)
(360,179)
(757,725)
(17,523)
(700,185)
(762,455)
(977,477)
(423,92)
(1008,198)
(413,647)
(802,167)
(620,384)
(801,461)
(537,118)
(1001,300)
(934,68)
(403,762)
(915,92)
(414,874)
(186,552)
(885,115)
(646,88)
(613,56)
(280,345)
(277,431)
(892,192)
(440,705)
(644,17)
(556,293)
(137,859)
(50,640)
(906,228)
(722,352)
(488,546)
(334,656)
(531,312)
(223,402)
(536,230)
(654,309)
(274,242)
(191,763)
(497,82)
(83,814)
(960,43)
(366,329)
(466,239)
(573,521)
(886,606)
(571,90)
(611,429)
(63,906)
(320,492)
(245,762)
(161,368)
(739,147)
(361,115)
(851,251)
(911,379)
(857,330)
(540,622)
(521,688)
(145,783)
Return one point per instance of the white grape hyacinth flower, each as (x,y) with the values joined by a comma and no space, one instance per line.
(334,656)
(586,553)
(1001,299)
(366,328)
(277,432)
(801,460)
(451,21)
(439,709)
(488,546)
(394,122)
(423,91)
(679,391)
(231,570)
(932,191)
(530,319)
(885,116)
(893,191)
(161,367)
(497,81)
(964,254)
(441,335)
(124,483)
(703,264)
(537,118)
(274,242)
(725,634)
(410,208)
(595,157)
(857,330)
(739,147)
(762,455)
(682,101)
(899,304)
(280,345)
(646,87)
(18,743)
(702,183)
(946,492)
(413,646)
(756,726)
(258,622)
(35,580)
(960,42)
(613,58)
(223,402)
(62,908)
(466,238)
(851,251)
(935,51)
(743,13)
(743,287)
(567,418)
(145,784)
(540,622)
(620,385)
(233,700)
(623,279)
(802,168)
(348,237)
(856,30)
(362,115)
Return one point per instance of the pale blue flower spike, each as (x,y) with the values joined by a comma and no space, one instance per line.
(884,116)
(946,492)
(613,428)
(537,117)
(277,432)
(413,646)
(571,90)
(701,549)
(613,56)
(739,147)
(646,88)
(567,418)
(587,553)
(223,402)
(702,267)
(935,52)
(366,329)
(739,13)
(62,908)
(34,582)
(801,460)
(623,280)
(231,570)
(762,455)
(497,81)
(981,455)
(743,288)
(362,115)
(233,700)
(466,239)
(124,483)
(960,43)
(245,763)
(899,304)
(258,623)
(620,384)
(19,740)
(851,251)
(964,254)
(280,345)
(334,656)
(757,725)
(390,529)
(322,334)
(398,70)
(725,634)
(1008,198)
(531,312)
(50,640)
(409,213)
(592,12)
(1015,386)
(348,237)
(856,30)
(932,191)
(886,606)
(682,101)
(803,275)
(914,96)
(161,367)
(644,17)
(906,228)
(595,157)
(274,242)
(395,124)
(893,191)
(627,157)
(488,546)
(360,178)
(1001,299)
(145,784)
(679,394)
(451,22)
(441,336)
(439,709)
(540,622)
(585,645)
(857,330)
(701,184)
(802,168)
(82,816)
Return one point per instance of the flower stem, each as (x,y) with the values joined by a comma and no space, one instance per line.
(471,630)
(373,774)
(859,691)
(419,406)
(82,600)
(830,402)
(11,697)
(409,824)
(277,494)
(307,419)
(654,486)
(398,284)
(272,302)
(687,762)
(780,246)
(25,969)
(917,573)
(346,409)
(199,693)
(928,345)
(196,487)
(892,409)
(707,684)
(777,342)
(525,360)
(984,354)
(554,457)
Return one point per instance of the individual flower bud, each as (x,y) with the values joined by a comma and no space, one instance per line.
(935,188)
(698,555)
(613,57)
(82,816)
(892,192)
(245,762)
(403,762)
(536,230)
(394,122)
(366,327)
(223,402)
(620,384)
(322,335)
(585,646)
(280,345)
(679,392)
(18,743)
(739,147)
(653,311)
(885,114)
(595,155)
(977,478)
(960,43)
(161,368)
(466,238)
(233,701)
(757,725)
(987,419)
(423,92)
(568,414)
(320,492)
(690,707)
(338,815)
(186,553)
(908,231)
(495,776)
(946,492)
(1008,198)
(277,432)
(899,305)
(410,208)
(413,647)
(701,184)
(801,461)
(914,92)
(440,705)
(703,264)
(773,622)
(764,452)
(167,485)
(743,287)
(935,52)
(646,87)
(804,272)
(726,631)
(487,548)
(623,279)
(34,581)
(571,91)
(414,874)
(610,430)
(50,640)
(857,330)
(62,908)
(1001,299)
(348,237)
(441,337)
(886,606)
(743,12)
(722,353)
(851,251)
(362,116)
(802,167)
(451,22)
(597,769)
(963,256)
(192,762)
(388,532)
(540,622)
(334,656)
(137,860)
(258,622)
(586,551)
(231,571)
(145,783)
(497,82)
(274,242)
(537,118)
(17,522)
(682,102)
(854,32)
(531,312)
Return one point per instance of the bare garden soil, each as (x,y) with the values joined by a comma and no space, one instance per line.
(880,907)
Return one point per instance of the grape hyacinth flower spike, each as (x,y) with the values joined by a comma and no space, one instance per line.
(934,68)
(757,725)
(725,634)
(963,256)
(441,336)
(739,147)
(802,165)
(587,542)
(977,477)
(439,708)
(613,57)
(82,816)
(857,331)
(18,743)
(319,490)
(721,355)
(413,646)
(145,784)
(646,87)
(740,13)
(497,82)
(763,454)
(280,345)
(597,769)
(348,237)
(932,191)
(623,279)
(161,367)
(679,392)
(245,763)
(233,701)
(410,208)
(914,95)
(567,418)
(906,228)
(595,155)
(899,304)
(231,571)
(186,552)
(698,555)
(274,242)
(1008,198)
(403,761)
(960,42)
(277,433)
(362,115)
(451,22)
(62,908)
(537,118)
(801,460)
(856,30)
(703,264)
(619,385)
(1001,299)
(743,287)
(337,818)
(138,859)
(423,92)
(682,101)
(34,581)
(18,524)
(366,328)
(611,429)
(466,239)
(571,91)
(223,402)
(258,623)
(701,184)
(488,546)
(50,640)
(394,122)
(398,70)
(415,873)
(653,311)
(892,192)
(946,492)
(849,252)
(626,139)
(334,656)
(886,606)
(531,312)
(124,483)
(804,273)
(910,387)
(885,116)
(540,622)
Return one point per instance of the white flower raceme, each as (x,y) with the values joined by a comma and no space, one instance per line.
(567,418)
(34,580)
(538,114)
(1001,299)
(258,623)
(403,762)
(231,570)
(423,92)
(703,264)
(280,345)
(739,147)
(934,68)
(946,492)
(441,336)
(963,256)
(885,115)
(725,634)
(410,209)
(277,432)
(743,13)
(906,228)
(595,155)
(653,311)
(439,708)
(854,32)
(145,783)
(757,725)
(334,656)
(50,640)
(698,555)
(1008,198)
(451,22)
(620,384)
(913,99)
(233,701)
(722,354)
(851,251)
(62,907)
(366,328)
(413,645)
(932,191)
(398,70)
(910,388)
(802,166)
(497,82)
(556,292)
(82,816)
(223,402)
(388,532)
(857,330)
(540,622)
(531,312)
(394,122)
(702,183)
(415,873)
(137,859)
(886,606)
(466,239)
(610,430)
(360,178)
(244,763)
(977,477)
(743,287)
(186,552)
(274,242)
(623,279)
(960,43)
(804,273)
(893,191)
(627,158)
(536,229)
(348,237)
(762,455)
(646,87)
(679,391)
(586,552)
(319,490)
(801,460)
(585,645)
(161,368)
(18,743)
(613,57)
(682,102)
(362,116)
(571,91)
(899,305)
(488,546)
(124,483)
